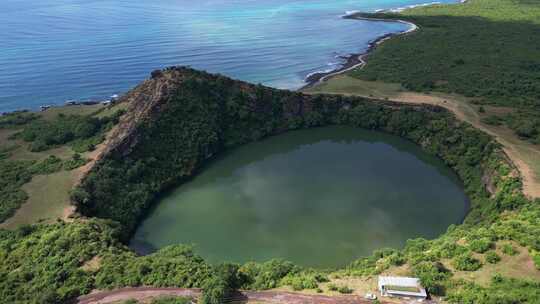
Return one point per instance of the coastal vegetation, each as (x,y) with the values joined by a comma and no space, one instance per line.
(14,174)
(42,144)
(489,54)
(162,142)
(81,132)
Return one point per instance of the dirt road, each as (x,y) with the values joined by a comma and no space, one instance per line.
(271,297)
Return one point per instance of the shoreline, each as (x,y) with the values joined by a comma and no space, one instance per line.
(352,61)
(357,60)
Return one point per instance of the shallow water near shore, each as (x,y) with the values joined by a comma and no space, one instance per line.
(319,197)
(57,50)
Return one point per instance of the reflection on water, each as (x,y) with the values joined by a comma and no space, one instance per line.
(319,197)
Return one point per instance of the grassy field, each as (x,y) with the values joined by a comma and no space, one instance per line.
(519,266)
(48,194)
(48,198)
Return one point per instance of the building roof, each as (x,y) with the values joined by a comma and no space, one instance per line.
(402,282)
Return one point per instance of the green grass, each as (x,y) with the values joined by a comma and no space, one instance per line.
(52,113)
(48,197)
(111,110)
(347,85)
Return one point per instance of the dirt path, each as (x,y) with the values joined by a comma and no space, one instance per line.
(81,172)
(139,294)
(271,297)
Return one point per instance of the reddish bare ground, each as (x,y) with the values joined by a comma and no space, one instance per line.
(274,297)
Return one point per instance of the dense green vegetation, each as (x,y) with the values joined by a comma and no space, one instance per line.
(42,264)
(341,289)
(208,114)
(492,257)
(49,264)
(81,132)
(15,119)
(488,50)
(171,300)
(218,113)
(13,174)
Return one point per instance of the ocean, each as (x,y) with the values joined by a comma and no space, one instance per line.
(57,50)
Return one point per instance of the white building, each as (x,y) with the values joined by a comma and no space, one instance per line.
(401,287)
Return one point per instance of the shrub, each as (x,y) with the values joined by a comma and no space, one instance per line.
(83,131)
(509,249)
(75,162)
(17,118)
(345,290)
(215,290)
(171,300)
(300,281)
(433,276)
(266,275)
(49,165)
(466,262)
(480,245)
(492,257)
(13,174)
(493,120)
(536,259)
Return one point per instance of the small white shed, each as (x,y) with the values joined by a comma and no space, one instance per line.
(401,287)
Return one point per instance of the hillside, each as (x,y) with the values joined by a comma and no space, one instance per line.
(486,49)
(478,59)
(180,119)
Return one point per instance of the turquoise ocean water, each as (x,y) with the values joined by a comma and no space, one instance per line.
(55,50)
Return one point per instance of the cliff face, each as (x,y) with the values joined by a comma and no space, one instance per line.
(144,102)
(180,118)
(150,98)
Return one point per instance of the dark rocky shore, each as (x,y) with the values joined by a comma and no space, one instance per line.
(357,59)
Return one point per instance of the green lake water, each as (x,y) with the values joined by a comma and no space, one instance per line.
(320,197)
